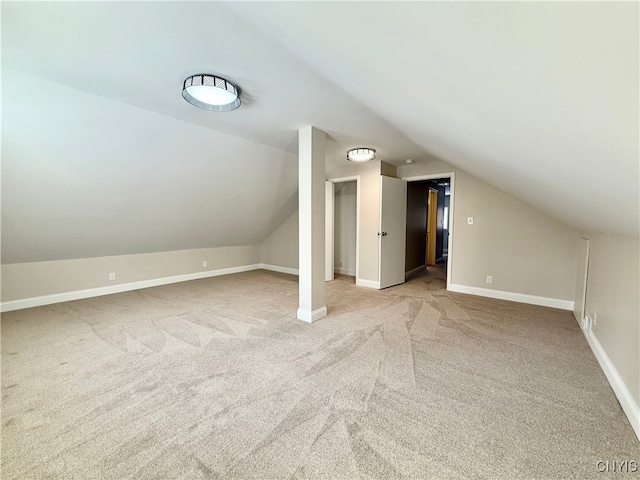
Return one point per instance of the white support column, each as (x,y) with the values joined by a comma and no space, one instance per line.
(311,205)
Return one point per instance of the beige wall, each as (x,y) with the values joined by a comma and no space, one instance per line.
(281,247)
(613,300)
(388,169)
(36,279)
(524,250)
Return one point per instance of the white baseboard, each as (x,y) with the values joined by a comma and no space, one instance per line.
(123,287)
(360,282)
(127,287)
(277,268)
(629,406)
(411,273)
(513,297)
(312,316)
(578,319)
(345,271)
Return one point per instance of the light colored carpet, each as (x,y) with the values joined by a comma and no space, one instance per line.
(216,379)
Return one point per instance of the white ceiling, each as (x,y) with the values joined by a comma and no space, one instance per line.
(140,53)
(538,99)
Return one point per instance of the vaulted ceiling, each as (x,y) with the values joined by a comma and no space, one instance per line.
(538,99)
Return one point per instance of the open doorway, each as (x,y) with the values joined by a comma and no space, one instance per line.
(429,235)
(342,224)
(344,230)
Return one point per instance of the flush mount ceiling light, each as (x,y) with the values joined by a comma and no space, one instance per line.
(211,92)
(361,154)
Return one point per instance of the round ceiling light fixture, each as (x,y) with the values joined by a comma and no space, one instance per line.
(361,154)
(211,92)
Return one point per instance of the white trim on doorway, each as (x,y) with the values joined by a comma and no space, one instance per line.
(329,225)
(452,177)
(579,310)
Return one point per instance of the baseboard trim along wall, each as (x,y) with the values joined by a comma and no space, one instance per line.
(361,282)
(629,406)
(411,273)
(277,268)
(312,316)
(513,297)
(123,287)
(126,287)
(345,271)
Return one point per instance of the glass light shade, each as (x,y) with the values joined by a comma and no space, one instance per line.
(211,95)
(361,154)
(210,92)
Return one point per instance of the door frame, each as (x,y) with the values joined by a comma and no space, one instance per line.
(329,246)
(329,227)
(452,179)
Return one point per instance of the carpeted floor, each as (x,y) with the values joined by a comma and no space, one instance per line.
(216,379)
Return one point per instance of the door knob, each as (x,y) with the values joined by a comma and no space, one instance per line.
(382,234)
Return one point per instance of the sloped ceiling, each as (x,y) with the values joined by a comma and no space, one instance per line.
(538,99)
(84,176)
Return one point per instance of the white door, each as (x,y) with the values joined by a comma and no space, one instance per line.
(393,230)
(329,194)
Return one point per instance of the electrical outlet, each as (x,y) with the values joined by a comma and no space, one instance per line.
(205,264)
(112,277)
(469,220)
(489,279)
